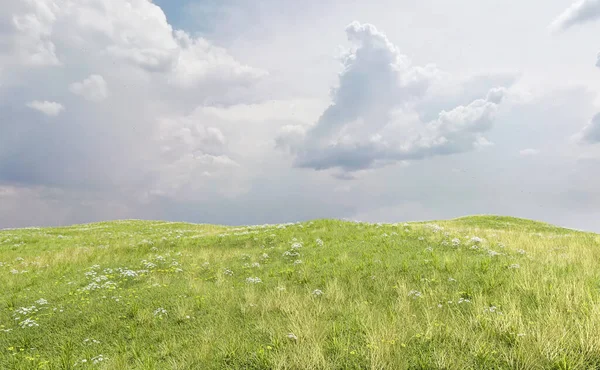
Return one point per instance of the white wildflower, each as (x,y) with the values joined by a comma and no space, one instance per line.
(514,266)
(253,280)
(160,312)
(41,301)
(317,292)
(297,262)
(415,294)
(228,272)
(292,336)
(455,242)
(28,323)
(319,242)
(98,359)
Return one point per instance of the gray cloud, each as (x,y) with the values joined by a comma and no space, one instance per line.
(591,132)
(582,11)
(372,122)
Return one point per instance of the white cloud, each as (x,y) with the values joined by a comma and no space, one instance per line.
(582,11)
(93,88)
(145,141)
(529,152)
(31,24)
(372,122)
(47,107)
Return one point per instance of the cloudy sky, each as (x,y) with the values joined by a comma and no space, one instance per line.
(268,111)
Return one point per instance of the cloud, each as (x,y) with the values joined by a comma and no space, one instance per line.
(372,121)
(93,88)
(145,143)
(591,132)
(47,107)
(529,152)
(583,11)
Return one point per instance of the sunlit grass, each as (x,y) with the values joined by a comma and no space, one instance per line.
(479,292)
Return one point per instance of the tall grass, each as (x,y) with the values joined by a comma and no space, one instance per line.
(481,292)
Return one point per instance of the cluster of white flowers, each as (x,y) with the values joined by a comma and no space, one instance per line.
(94,360)
(319,242)
(127,273)
(148,265)
(492,309)
(296,245)
(429,249)
(253,280)
(28,323)
(514,266)
(455,242)
(291,253)
(463,300)
(521,251)
(415,294)
(476,239)
(434,227)
(297,262)
(160,312)
(228,272)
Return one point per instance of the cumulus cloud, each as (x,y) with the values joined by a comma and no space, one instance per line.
(372,120)
(145,142)
(582,11)
(93,88)
(49,108)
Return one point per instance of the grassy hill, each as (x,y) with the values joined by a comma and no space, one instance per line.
(482,292)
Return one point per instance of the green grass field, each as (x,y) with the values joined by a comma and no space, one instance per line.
(482,292)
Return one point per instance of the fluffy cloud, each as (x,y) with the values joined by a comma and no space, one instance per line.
(143,142)
(93,88)
(582,11)
(49,108)
(372,120)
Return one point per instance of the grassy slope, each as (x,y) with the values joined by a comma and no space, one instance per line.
(390,297)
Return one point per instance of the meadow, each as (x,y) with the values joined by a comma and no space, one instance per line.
(481,292)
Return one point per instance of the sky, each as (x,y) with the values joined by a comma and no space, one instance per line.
(271,111)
